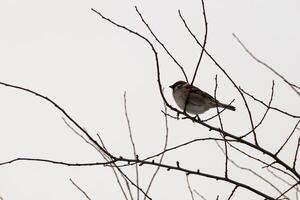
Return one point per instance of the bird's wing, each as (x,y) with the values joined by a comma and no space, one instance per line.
(198,96)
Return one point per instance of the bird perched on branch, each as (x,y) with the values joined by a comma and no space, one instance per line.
(193,100)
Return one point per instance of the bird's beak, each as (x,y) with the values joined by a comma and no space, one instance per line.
(171,86)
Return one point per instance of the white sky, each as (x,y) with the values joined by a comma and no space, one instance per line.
(65,51)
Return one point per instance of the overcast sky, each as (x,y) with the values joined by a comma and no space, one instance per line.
(65,51)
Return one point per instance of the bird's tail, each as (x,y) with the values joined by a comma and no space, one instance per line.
(226,106)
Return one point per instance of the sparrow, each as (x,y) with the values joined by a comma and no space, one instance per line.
(198,101)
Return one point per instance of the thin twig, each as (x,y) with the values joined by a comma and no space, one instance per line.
(164,148)
(57,162)
(167,114)
(270,107)
(201,54)
(83,138)
(265,114)
(293,86)
(80,189)
(189,186)
(249,170)
(281,179)
(132,183)
(204,41)
(133,145)
(222,128)
(265,163)
(288,189)
(61,110)
(287,138)
(105,157)
(182,145)
(215,96)
(163,46)
(116,174)
(201,196)
(234,189)
(296,154)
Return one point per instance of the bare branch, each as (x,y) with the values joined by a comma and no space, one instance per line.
(204,41)
(267,110)
(288,189)
(189,186)
(222,128)
(270,107)
(280,178)
(293,86)
(102,154)
(81,190)
(164,148)
(116,174)
(163,46)
(234,189)
(249,170)
(83,138)
(133,146)
(215,96)
(201,196)
(61,110)
(296,154)
(182,145)
(287,138)
(56,162)
(265,163)
(297,196)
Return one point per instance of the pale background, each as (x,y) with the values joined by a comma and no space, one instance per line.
(65,51)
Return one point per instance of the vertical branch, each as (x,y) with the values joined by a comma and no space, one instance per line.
(164,148)
(133,146)
(204,41)
(222,128)
(296,154)
(200,57)
(297,189)
(215,96)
